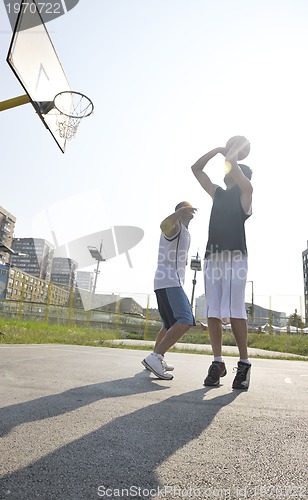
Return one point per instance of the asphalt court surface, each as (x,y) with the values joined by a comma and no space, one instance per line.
(83,423)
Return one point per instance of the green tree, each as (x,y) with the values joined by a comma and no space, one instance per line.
(295,320)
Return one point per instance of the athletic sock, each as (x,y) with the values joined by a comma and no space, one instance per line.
(246,361)
(218,358)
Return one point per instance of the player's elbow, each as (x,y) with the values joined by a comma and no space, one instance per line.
(195,170)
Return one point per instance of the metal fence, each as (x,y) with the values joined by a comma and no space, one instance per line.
(143,316)
(145,326)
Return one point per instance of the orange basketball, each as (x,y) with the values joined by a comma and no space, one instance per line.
(244,146)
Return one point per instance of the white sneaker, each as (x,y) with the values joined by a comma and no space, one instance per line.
(154,363)
(168,368)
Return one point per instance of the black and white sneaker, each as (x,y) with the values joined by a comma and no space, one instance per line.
(242,377)
(216,370)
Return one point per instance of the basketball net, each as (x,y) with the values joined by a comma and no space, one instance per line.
(72,107)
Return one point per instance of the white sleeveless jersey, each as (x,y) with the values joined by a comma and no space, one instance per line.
(172,259)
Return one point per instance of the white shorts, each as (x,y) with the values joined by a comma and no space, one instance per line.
(225,275)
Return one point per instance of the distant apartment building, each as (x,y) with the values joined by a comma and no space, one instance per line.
(85,280)
(83,296)
(22,286)
(200,306)
(7,226)
(4,271)
(63,272)
(305,275)
(33,256)
(256,315)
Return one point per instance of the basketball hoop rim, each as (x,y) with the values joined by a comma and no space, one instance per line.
(90,104)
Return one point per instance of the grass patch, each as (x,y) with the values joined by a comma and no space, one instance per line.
(31,332)
(283,342)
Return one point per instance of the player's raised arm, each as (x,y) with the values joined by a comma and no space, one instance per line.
(241,174)
(201,176)
(170,226)
(239,149)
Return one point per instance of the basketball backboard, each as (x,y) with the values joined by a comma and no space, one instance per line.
(34,60)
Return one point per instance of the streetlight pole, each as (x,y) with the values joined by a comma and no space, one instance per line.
(195,265)
(96,272)
(97,255)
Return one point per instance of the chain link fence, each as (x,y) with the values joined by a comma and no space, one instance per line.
(137,312)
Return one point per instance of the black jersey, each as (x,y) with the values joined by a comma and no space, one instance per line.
(226,228)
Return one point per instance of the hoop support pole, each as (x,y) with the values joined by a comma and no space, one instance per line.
(15,101)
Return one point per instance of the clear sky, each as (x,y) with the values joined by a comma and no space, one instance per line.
(170,80)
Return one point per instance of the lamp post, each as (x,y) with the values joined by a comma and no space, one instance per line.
(97,255)
(195,265)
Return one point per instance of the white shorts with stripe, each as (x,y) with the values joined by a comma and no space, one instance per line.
(225,275)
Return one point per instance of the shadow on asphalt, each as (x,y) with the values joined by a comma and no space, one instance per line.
(65,402)
(124,453)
